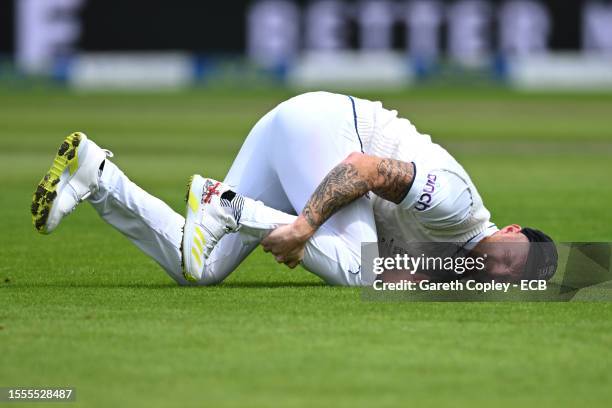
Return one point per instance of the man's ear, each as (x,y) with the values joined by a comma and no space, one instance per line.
(511,229)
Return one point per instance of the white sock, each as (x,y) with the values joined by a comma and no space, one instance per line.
(257,219)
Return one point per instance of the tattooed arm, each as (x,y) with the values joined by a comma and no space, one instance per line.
(352,178)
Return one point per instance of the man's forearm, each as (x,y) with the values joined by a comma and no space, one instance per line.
(353,178)
(342,185)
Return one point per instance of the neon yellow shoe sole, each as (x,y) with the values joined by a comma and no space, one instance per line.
(45,193)
(189,199)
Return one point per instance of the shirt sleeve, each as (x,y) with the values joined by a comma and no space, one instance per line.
(438,198)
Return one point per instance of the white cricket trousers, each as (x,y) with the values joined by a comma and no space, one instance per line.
(284,158)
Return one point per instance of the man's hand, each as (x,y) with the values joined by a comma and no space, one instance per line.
(352,178)
(287,242)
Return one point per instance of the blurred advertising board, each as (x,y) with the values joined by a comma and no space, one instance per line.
(290,36)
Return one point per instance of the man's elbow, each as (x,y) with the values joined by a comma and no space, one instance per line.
(356,159)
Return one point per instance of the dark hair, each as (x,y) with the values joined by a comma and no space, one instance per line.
(543,257)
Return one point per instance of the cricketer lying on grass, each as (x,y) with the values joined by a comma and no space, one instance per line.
(317,175)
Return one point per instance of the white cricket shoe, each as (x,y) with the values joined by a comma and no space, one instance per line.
(211,213)
(72,178)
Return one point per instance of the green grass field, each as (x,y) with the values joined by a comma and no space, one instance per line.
(84,308)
